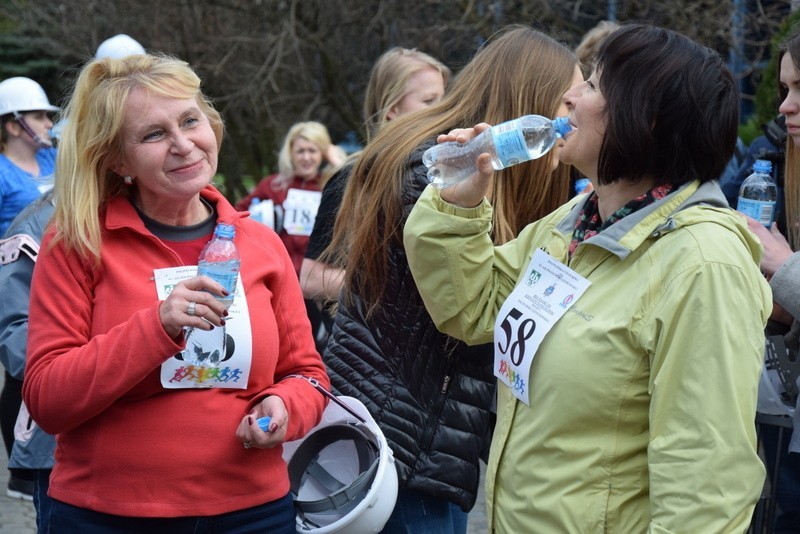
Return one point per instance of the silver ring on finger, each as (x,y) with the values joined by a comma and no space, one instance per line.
(248,444)
(190,309)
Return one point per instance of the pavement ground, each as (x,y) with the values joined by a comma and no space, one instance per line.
(16,516)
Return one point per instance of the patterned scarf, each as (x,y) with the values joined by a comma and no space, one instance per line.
(589,223)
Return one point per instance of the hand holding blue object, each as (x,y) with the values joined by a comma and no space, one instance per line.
(263,423)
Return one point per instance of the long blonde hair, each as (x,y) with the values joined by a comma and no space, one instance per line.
(91,142)
(388,80)
(521,71)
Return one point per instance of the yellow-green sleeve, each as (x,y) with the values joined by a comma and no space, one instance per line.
(462,277)
(705,473)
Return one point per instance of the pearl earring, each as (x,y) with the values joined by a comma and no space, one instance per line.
(128,180)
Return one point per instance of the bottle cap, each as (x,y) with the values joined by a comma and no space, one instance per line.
(581,184)
(763,166)
(225,230)
(562,126)
(263,423)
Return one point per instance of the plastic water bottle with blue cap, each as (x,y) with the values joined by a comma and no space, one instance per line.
(220,261)
(523,139)
(759,194)
(255,214)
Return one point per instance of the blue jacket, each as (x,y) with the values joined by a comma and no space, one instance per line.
(33,447)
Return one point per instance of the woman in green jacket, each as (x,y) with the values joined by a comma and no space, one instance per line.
(628,324)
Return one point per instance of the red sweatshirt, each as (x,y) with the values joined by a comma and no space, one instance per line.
(126,445)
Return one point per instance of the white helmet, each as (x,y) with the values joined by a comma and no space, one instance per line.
(118,47)
(342,473)
(21,94)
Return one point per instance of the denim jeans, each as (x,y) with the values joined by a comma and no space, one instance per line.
(41,501)
(419,513)
(787,518)
(274,517)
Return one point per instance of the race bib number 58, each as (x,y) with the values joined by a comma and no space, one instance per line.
(546,292)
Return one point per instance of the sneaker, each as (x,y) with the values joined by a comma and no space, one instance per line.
(19,488)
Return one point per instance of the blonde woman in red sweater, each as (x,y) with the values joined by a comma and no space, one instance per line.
(146,441)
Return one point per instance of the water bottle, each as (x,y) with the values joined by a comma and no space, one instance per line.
(255,213)
(220,261)
(523,139)
(759,194)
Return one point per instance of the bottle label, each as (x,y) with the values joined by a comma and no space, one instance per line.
(224,272)
(762,211)
(509,143)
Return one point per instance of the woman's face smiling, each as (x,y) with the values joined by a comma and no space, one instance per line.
(169,149)
(586,107)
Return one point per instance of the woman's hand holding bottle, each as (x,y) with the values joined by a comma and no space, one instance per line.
(192,303)
(471,192)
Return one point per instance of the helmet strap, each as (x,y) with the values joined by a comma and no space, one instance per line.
(37,139)
(314,382)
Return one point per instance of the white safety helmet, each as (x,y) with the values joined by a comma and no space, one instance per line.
(20,94)
(342,473)
(119,46)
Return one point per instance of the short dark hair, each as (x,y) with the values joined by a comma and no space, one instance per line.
(672,108)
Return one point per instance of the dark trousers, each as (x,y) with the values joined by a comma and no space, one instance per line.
(10,401)
(787,518)
(41,501)
(421,513)
(277,517)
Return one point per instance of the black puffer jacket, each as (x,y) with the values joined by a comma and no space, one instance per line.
(430,394)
